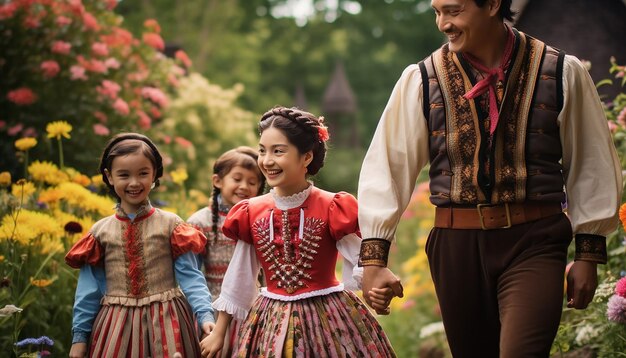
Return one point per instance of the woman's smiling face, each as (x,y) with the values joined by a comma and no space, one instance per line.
(282,164)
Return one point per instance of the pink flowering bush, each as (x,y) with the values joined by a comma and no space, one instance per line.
(602,326)
(616,307)
(72,60)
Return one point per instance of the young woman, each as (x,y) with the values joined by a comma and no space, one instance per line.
(294,234)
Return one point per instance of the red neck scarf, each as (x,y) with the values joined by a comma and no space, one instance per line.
(493,76)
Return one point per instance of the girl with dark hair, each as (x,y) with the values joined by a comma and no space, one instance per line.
(128,301)
(294,234)
(236,176)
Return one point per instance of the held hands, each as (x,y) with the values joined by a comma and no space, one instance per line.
(78,350)
(582,280)
(379,286)
(211,345)
(207,328)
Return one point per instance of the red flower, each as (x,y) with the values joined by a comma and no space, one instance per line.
(152,25)
(63,21)
(121,107)
(620,287)
(99,49)
(322,133)
(183,142)
(8,10)
(145,122)
(100,116)
(90,22)
(182,57)
(154,40)
(61,47)
(22,96)
(100,129)
(50,68)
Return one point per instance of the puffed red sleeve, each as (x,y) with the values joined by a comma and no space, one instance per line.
(187,238)
(343,216)
(237,223)
(86,251)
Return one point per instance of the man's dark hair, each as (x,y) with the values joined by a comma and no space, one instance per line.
(505,8)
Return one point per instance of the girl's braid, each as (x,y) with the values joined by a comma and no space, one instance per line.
(215,211)
(304,120)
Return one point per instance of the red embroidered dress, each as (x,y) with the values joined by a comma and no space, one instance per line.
(144,312)
(305,311)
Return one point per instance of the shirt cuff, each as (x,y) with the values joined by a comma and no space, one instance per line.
(207,317)
(80,337)
(591,248)
(374,252)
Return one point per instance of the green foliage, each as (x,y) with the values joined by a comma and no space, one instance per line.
(241,42)
(590,329)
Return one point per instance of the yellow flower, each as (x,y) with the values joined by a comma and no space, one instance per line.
(81,197)
(23,188)
(29,226)
(41,282)
(58,129)
(179,176)
(96,180)
(25,144)
(5,179)
(47,172)
(1,258)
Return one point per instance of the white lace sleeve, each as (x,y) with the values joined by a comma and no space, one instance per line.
(349,247)
(239,288)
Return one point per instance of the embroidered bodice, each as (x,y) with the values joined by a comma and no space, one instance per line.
(138,254)
(295,237)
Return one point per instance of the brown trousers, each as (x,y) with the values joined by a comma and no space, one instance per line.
(501,291)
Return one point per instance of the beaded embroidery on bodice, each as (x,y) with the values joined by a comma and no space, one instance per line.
(290,252)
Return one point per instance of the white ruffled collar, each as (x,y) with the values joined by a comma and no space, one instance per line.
(291,201)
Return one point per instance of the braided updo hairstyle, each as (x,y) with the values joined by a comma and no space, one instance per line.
(302,129)
(241,156)
(128,143)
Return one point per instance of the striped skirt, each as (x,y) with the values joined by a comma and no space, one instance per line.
(334,325)
(145,329)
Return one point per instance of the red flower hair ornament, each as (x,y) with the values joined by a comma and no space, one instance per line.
(322,132)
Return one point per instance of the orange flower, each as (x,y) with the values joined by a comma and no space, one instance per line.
(622,215)
(41,282)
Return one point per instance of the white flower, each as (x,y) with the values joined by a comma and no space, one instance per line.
(585,334)
(8,310)
(431,329)
(604,291)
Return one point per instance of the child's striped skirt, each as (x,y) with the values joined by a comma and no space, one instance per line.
(149,327)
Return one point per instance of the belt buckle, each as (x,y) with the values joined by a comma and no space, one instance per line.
(482,218)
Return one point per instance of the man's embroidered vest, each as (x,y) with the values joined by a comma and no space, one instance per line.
(525,152)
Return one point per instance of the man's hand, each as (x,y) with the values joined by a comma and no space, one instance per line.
(379,286)
(582,280)
(78,350)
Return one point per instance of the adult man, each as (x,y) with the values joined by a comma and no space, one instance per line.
(506,123)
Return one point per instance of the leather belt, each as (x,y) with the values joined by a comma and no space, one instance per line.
(489,217)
